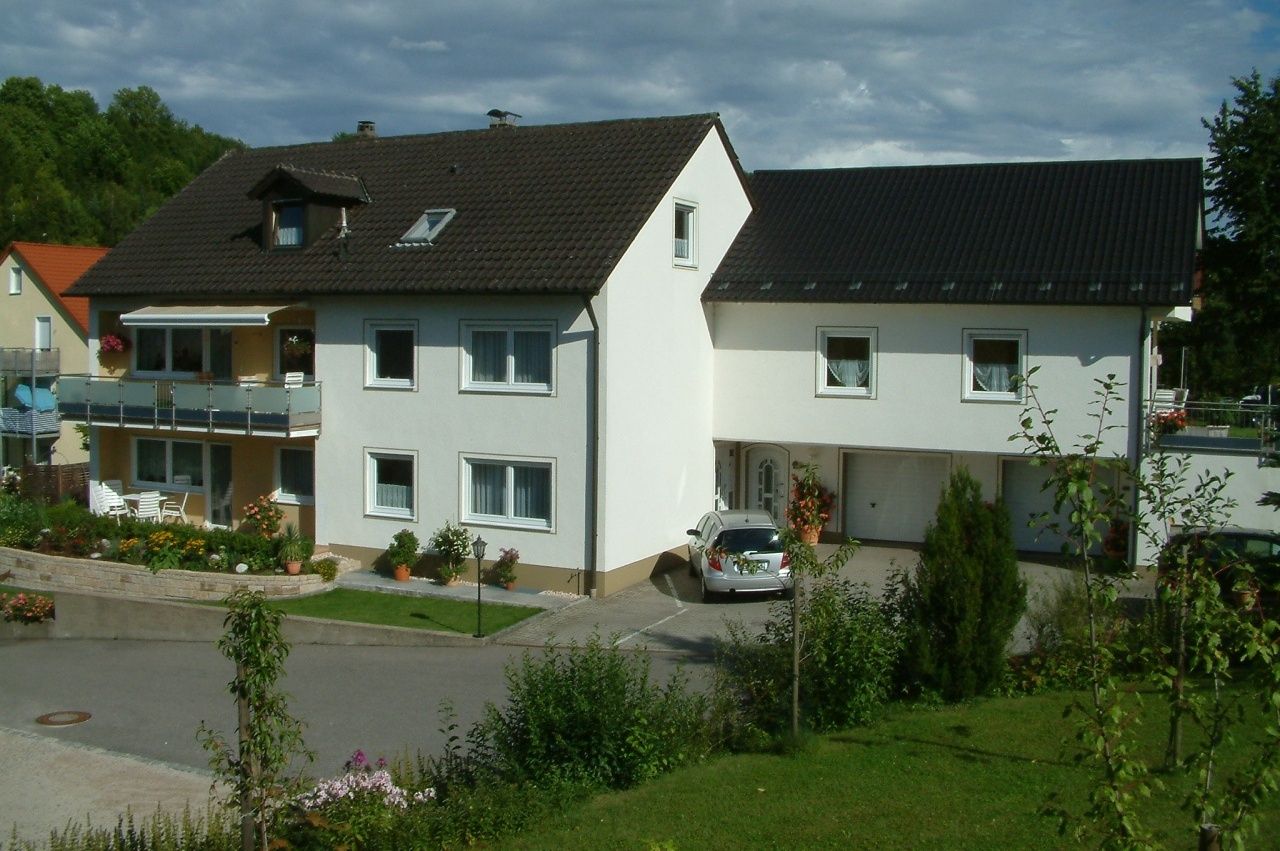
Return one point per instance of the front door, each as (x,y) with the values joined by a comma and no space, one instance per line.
(767,480)
(219,499)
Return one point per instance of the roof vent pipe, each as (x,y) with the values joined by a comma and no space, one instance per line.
(366,129)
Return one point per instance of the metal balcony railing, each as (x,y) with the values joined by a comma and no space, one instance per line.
(1226,426)
(24,422)
(270,407)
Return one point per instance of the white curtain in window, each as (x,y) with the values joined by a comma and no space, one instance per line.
(993,377)
(394,496)
(533,357)
(488,489)
(848,373)
(393,483)
(489,356)
(532,493)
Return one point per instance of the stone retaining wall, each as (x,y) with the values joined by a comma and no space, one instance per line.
(41,572)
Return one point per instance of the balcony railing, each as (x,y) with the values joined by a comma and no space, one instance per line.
(1246,427)
(270,407)
(23,361)
(24,422)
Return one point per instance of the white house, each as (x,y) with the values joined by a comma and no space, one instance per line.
(575,339)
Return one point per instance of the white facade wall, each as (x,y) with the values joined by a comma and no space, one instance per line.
(766,375)
(441,423)
(657,475)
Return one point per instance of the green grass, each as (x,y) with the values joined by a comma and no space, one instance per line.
(971,776)
(13,589)
(372,607)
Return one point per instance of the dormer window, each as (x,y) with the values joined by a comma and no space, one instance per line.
(289,219)
(428,227)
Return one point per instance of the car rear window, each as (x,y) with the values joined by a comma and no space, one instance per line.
(750,540)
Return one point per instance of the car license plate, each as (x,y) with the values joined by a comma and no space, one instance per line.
(759,566)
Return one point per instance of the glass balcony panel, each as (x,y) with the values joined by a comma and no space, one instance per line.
(269,400)
(190,395)
(229,397)
(141,394)
(73,389)
(105,392)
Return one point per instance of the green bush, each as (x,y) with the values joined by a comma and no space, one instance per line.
(959,609)
(20,522)
(590,714)
(850,650)
(326,569)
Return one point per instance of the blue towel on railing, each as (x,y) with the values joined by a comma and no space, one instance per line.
(44,400)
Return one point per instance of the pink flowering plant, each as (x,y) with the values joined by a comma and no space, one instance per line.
(24,608)
(362,803)
(109,344)
(263,516)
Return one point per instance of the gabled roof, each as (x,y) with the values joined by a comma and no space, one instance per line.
(1114,232)
(540,209)
(58,267)
(320,184)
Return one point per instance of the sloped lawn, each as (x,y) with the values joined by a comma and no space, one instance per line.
(346,604)
(963,777)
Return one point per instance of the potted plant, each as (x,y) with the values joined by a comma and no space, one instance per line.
(295,548)
(810,506)
(402,554)
(504,569)
(453,546)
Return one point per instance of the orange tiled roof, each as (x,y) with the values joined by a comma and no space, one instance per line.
(58,267)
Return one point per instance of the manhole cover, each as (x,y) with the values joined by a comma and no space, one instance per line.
(63,717)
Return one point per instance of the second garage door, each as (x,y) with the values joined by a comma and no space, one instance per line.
(892,496)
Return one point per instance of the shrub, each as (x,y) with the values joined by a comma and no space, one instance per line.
(262,517)
(26,609)
(20,522)
(851,648)
(453,546)
(960,607)
(326,568)
(590,714)
(404,549)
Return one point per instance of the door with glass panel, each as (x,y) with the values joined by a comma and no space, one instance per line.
(767,479)
(219,493)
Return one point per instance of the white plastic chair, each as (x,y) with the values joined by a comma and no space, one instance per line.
(148,506)
(110,501)
(294,379)
(177,510)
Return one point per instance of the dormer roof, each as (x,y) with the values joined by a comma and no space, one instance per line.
(308,183)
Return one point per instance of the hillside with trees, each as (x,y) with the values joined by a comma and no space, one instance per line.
(72,173)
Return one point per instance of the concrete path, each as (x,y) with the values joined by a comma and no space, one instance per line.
(36,797)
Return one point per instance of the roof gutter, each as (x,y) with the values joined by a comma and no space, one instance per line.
(593,441)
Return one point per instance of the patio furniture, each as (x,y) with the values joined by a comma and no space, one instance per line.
(177,510)
(110,501)
(148,507)
(294,379)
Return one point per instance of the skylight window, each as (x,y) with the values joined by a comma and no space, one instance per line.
(427,228)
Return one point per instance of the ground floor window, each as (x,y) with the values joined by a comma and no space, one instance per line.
(390,485)
(509,492)
(295,475)
(168,462)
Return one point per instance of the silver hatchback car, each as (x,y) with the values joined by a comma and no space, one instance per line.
(738,552)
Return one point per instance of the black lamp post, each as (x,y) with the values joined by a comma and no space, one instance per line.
(477,548)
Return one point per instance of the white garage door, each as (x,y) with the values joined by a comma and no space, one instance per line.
(892,497)
(1020,488)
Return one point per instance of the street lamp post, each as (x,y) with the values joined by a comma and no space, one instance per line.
(477,548)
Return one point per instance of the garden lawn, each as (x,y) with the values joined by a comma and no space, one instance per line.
(372,607)
(970,776)
(13,589)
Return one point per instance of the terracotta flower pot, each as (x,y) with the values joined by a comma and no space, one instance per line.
(810,534)
(402,573)
(293,568)
(510,586)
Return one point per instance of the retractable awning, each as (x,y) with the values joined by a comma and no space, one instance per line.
(201,316)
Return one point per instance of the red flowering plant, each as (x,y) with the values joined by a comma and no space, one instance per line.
(109,344)
(1169,422)
(26,609)
(811,502)
(263,516)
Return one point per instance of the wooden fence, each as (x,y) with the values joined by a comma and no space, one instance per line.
(55,482)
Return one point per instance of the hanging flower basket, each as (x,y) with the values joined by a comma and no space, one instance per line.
(110,344)
(297,346)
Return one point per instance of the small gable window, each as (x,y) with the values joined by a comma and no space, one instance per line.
(428,227)
(288,225)
(685,248)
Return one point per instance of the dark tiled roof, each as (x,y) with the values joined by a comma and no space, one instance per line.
(546,209)
(346,187)
(1118,232)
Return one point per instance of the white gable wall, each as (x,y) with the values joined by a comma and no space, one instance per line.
(656,355)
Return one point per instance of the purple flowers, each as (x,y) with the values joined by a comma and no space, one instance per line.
(362,780)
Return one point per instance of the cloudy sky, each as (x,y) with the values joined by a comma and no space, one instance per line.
(818,83)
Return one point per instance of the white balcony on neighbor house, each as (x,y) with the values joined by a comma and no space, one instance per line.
(28,409)
(26,361)
(270,408)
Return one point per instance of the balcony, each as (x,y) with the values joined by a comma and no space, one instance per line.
(24,362)
(1237,427)
(270,408)
(24,422)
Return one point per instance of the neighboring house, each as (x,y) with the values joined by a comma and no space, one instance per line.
(519,328)
(870,320)
(500,327)
(43,332)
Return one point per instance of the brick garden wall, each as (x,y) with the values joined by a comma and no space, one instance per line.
(42,572)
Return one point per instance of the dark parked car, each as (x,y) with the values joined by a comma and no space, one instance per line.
(1241,559)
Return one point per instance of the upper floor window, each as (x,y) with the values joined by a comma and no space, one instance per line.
(509,356)
(295,351)
(169,350)
(846,361)
(686,226)
(15,280)
(391,351)
(289,219)
(993,362)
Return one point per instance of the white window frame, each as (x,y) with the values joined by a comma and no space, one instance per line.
(285,497)
(691,209)
(42,333)
(169,485)
(974,334)
(168,371)
(371,329)
(825,333)
(423,232)
(277,207)
(510,385)
(284,331)
(15,280)
(371,508)
(508,519)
